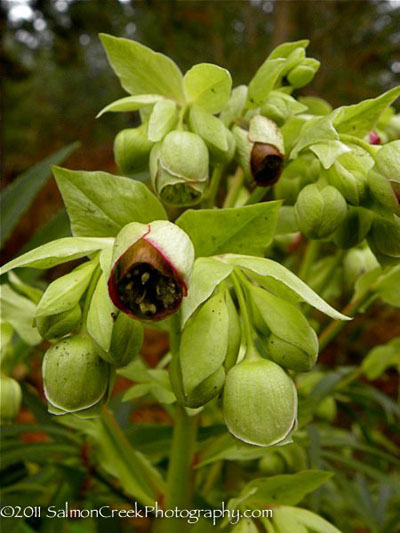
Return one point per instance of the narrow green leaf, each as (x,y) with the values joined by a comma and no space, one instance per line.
(100,320)
(100,204)
(269,268)
(142,71)
(360,118)
(18,196)
(285,49)
(57,252)
(264,80)
(249,229)
(382,357)
(208,86)
(131,103)
(210,128)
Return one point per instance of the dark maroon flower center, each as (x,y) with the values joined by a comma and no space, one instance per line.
(266,164)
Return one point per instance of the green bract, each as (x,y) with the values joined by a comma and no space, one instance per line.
(75,377)
(320,210)
(179,168)
(260,402)
(10,399)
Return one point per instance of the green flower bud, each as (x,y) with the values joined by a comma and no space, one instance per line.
(57,326)
(384,177)
(293,343)
(75,377)
(320,210)
(302,74)
(272,464)
(132,150)
(351,185)
(356,263)
(207,390)
(260,402)
(10,399)
(384,240)
(287,189)
(353,229)
(151,269)
(327,410)
(126,341)
(179,168)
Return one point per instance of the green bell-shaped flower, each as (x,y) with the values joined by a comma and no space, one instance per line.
(320,210)
(260,402)
(384,177)
(179,168)
(10,399)
(384,240)
(75,378)
(132,150)
(293,343)
(151,269)
(353,229)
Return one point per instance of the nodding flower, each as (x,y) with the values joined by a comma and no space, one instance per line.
(151,270)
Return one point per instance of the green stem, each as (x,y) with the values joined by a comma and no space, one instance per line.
(248,333)
(351,309)
(180,478)
(309,257)
(257,195)
(234,190)
(214,184)
(350,139)
(324,281)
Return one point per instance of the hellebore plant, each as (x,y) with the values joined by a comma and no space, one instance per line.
(180,241)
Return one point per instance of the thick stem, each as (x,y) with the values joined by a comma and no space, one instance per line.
(180,478)
(248,332)
(309,257)
(257,195)
(234,190)
(214,184)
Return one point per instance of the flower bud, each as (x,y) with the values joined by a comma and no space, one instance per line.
(319,210)
(57,326)
(126,341)
(373,137)
(75,377)
(302,74)
(384,177)
(132,150)
(10,399)
(206,390)
(152,266)
(272,464)
(179,168)
(356,263)
(384,240)
(266,157)
(260,402)
(353,229)
(292,344)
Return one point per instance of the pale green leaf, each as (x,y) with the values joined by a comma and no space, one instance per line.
(65,292)
(380,358)
(285,49)
(309,521)
(162,120)
(328,151)
(264,80)
(210,128)
(100,204)
(249,229)
(359,119)
(388,286)
(131,103)
(314,131)
(208,86)
(234,108)
(19,312)
(269,268)
(141,70)
(207,274)
(101,315)
(57,252)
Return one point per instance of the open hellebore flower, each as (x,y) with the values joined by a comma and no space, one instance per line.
(75,378)
(179,168)
(261,150)
(260,402)
(10,399)
(151,269)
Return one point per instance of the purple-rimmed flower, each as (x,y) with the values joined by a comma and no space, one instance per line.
(151,269)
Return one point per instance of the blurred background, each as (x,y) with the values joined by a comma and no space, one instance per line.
(56,77)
